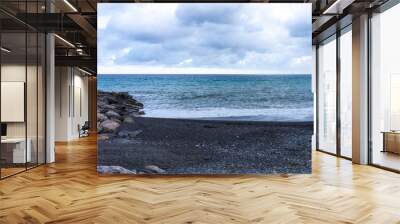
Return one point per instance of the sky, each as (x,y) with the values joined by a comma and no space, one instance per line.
(204,38)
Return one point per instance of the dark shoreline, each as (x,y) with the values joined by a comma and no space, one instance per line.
(228,120)
(186,146)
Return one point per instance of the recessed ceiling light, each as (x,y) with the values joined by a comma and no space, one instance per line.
(5,50)
(64,40)
(70,5)
(86,72)
(337,7)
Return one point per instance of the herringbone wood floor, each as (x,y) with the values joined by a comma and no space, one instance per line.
(70,191)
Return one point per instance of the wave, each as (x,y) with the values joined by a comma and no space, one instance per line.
(270,114)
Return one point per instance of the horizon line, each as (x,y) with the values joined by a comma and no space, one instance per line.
(255,74)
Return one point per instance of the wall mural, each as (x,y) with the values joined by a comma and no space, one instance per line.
(199,88)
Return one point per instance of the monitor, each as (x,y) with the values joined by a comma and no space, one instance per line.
(3,129)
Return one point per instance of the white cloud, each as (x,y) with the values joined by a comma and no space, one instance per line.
(185,62)
(206,38)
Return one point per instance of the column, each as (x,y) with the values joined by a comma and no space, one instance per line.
(360,90)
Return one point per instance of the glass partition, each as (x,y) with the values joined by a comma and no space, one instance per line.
(346,93)
(327,96)
(31,97)
(385,89)
(15,150)
(22,67)
(41,97)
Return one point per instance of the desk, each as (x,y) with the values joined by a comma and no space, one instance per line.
(19,155)
(391,141)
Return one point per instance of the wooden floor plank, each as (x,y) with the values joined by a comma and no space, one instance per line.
(71,191)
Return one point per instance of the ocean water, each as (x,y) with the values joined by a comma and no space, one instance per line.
(220,97)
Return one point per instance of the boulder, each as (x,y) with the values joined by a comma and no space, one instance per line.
(130,134)
(116,107)
(101,117)
(112,114)
(154,169)
(128,120)
(133,134)
(103,137)
(108,107)
(116,120)
(123,134)
(114,170)
(109,126)
(99,128)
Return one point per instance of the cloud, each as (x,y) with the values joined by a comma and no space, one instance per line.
(198,14)
(223,37)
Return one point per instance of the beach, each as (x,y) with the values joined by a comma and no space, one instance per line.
(182,146)
(204,124)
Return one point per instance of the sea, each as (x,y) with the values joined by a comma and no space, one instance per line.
(218,97)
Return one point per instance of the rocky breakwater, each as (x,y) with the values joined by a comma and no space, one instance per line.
(113,109)
(115,117)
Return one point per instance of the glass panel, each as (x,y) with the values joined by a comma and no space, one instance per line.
(346,94)
(41,98)
(327,96)
(32,88)
(13,86)
(23,90)
(385,94)
(31,98)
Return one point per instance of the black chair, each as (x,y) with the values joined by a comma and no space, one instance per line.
(84,130)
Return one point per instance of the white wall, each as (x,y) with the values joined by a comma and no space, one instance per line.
(70,84)
(62,82)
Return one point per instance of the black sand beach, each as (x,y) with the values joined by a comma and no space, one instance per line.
(175,146)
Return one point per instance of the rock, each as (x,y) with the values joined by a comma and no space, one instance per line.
(116,120)
(133,114)
(113,114)
(133,134)
(154,169)
(121,141)
(99,128)
(108,107)
(114,170)
(133,111)
(130,134)
(101,117)
(123,134)
(103,137)
(109,125)
(116,107)
(128,120)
